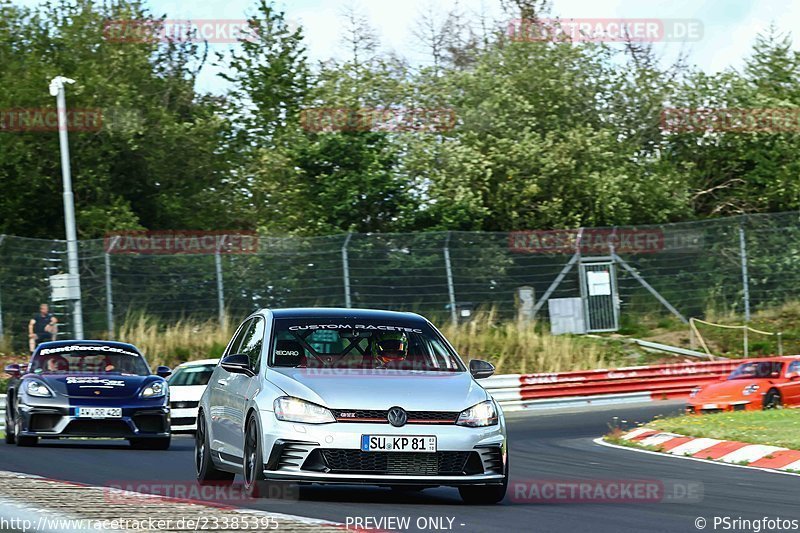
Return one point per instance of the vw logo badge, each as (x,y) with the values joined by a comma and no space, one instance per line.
(397,417)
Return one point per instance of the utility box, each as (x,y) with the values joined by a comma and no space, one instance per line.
(566,316)
(64,287)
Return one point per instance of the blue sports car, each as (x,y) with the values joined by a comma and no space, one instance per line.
(96,389)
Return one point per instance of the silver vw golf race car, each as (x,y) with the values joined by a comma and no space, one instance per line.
(351,397)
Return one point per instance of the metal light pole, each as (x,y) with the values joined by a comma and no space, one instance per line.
(57,90)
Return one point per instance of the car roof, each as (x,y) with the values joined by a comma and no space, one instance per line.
(199,362)
(342,312)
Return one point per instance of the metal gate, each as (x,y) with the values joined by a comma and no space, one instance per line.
(598,280)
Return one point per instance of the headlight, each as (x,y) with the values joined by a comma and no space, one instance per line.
(154,390)
(294,410)
(38,389)
(750,389)
(480,415)
(694,392)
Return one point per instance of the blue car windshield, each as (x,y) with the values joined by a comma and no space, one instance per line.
(89,359)
(363,344)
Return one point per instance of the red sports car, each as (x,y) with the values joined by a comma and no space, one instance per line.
(770,383)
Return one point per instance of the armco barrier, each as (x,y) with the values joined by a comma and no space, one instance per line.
(629,384)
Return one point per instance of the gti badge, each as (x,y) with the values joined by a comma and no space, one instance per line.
(397,417)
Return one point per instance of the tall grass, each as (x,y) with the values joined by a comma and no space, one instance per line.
(173,343)
(516,348)
(511,347)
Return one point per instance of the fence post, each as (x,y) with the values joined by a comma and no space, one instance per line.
(745,280)
(2,238)
(451,291)
(220,287)
(346,271)
(109,297)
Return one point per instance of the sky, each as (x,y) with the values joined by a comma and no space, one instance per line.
(729,27)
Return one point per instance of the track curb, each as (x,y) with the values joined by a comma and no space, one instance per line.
(725,452)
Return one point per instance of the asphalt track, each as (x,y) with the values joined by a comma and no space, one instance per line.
(554,445)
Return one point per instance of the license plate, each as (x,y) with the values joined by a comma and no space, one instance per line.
(398,443)
(710,406)
(98,412)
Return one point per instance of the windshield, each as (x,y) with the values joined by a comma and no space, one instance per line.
(89,359)
(191,375)
(764,369)
(335,343)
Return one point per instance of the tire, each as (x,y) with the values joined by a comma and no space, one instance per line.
(161,443)
(207,473)
(773,400)
(253,461)
(9,436)
(485,494)
(255,485)
(21,440)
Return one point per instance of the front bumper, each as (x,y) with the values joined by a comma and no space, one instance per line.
(139,420)
(331,453)
(721,407)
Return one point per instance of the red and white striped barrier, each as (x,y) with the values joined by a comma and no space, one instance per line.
(628,384)
(726,451)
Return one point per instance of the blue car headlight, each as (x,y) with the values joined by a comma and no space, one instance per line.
(37,388)
(479,415)
(156,389)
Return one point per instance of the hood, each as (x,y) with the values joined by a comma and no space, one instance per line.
(380,389)
(731,390)
(186,393)
(95,386)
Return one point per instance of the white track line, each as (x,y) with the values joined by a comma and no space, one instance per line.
(601,442)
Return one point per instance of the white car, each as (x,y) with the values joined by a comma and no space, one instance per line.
(186,386)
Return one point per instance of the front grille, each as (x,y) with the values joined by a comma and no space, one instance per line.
(710,411)
(380,416)
(184,421)
(395,463)
(183,405)
(740,407)
(150,423)
(44,422)
(98,428)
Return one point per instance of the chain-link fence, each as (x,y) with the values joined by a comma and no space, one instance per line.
(734,264)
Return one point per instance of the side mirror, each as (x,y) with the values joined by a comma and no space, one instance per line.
(480,369)
(163,371)
(237,363)
(13,370)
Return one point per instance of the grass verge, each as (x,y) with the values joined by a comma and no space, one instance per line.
(780,427)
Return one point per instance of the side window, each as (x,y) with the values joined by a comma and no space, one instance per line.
(253,342)
(237,339)
(794,367)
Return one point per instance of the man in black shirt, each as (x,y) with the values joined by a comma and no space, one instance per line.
(42,327)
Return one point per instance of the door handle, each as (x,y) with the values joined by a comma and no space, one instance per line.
(222,382)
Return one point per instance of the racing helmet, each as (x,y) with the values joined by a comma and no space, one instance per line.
(390,347)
